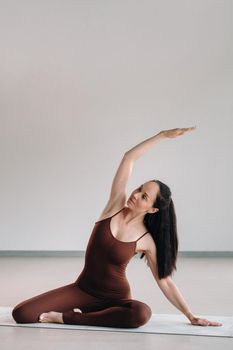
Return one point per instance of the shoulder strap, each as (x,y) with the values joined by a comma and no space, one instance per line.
(109,216)
(117,212)
(142,236)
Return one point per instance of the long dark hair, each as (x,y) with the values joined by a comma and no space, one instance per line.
(162,225)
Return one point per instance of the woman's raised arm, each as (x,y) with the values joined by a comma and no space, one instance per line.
(138,150)
(118,194)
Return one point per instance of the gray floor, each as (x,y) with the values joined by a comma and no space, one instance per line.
(205,283)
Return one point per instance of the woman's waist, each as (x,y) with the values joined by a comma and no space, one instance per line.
(107,287)
(105,294)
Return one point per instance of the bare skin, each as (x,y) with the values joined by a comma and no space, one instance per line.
(53,317)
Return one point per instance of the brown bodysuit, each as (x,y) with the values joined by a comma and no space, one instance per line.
(101,291)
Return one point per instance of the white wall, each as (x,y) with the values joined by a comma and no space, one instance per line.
(84,81)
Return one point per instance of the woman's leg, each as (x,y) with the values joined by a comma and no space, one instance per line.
(125,313)
(60,299)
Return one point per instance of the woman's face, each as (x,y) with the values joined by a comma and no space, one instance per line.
(144,196)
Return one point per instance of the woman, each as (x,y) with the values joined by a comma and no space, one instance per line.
(101,295)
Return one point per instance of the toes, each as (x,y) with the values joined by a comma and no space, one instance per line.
(42,317)
(50,316)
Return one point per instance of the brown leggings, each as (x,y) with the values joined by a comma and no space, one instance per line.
(123,313)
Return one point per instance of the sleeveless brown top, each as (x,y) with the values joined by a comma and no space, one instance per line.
(106,259)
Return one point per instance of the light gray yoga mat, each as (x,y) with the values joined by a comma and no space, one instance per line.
(159,323)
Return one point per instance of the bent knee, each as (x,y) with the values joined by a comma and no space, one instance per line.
(21,315)
(18,314)
(141,314)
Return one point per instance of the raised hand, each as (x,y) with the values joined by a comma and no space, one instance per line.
(176,132)
(197,321)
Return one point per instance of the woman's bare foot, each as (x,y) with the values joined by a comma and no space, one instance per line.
(54,317)
(51,316)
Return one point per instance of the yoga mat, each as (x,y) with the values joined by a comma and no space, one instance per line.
(158,324)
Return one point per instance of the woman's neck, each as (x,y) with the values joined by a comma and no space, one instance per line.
(133,217)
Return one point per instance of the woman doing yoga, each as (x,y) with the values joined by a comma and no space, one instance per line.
(144,223)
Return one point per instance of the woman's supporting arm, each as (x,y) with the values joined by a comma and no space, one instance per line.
(172,293)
